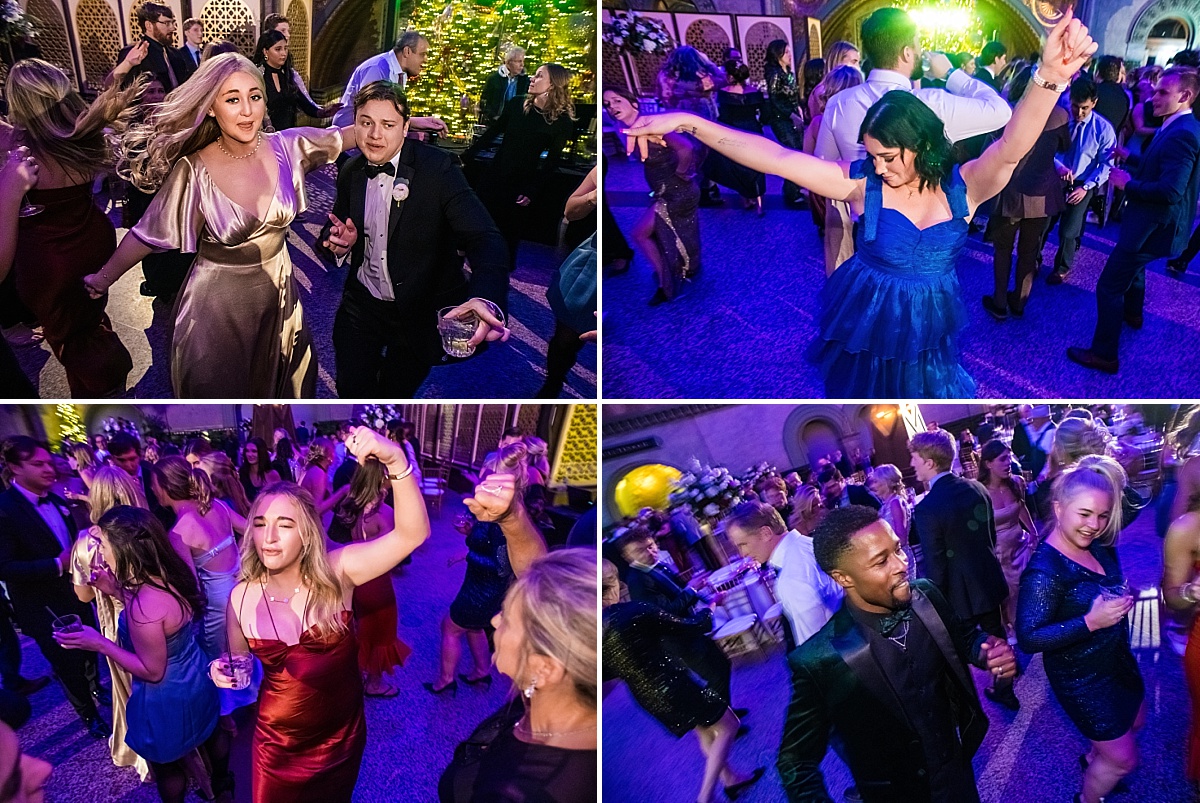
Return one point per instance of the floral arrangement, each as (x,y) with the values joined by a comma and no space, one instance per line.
(13,22)
(634,33)
(113,425)
(709,491)
(751,476)
(376,416)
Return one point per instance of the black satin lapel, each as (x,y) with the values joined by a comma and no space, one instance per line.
(358,196)
(855,650)
(929,616)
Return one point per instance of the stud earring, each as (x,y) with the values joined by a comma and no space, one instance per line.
(530,689)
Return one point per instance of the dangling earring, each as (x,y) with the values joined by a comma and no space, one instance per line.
(530,689)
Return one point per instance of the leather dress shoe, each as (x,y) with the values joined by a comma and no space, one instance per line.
(1134,321)
(97,728)
(1089,359)
(1056,278)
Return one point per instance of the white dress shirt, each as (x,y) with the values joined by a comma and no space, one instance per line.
(51,515)
(383,67)
(373,272)
(967,107)
(808,595)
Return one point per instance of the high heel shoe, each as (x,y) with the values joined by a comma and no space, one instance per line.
(758,206)
(451,687)
(733,791)
(485,680)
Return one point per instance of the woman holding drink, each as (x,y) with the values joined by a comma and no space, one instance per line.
(172,713)
(292,611)
(1072,608)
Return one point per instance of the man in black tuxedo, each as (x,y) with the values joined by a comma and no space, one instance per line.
(839,493)
(155,52)
(955,527)
(1160,205)
(991,62)
(415,212)
(126,454)
(649,581)
(888,673)
(36,541)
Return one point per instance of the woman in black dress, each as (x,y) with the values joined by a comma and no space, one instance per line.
(782,109)
(284,98)
(738,106)
(256,471)
(535,128)
(1072,608)
(663,685)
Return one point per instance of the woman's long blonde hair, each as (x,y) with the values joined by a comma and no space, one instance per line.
(556,597)
(559,99)
(112,487)
(180,125)
(59,126)
(325,590)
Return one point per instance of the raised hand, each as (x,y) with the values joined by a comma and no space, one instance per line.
(1067,49)
(652,128)
(342,236)
(138,53)
(494,497)
(364,443)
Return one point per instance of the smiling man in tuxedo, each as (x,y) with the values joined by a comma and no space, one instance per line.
(36,540)
(403,217)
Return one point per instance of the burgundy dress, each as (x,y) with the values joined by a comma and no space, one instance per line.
(380,649)
(310,735)
(55,250)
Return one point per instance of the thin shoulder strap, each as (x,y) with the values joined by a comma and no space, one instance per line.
(956,193)
(872,198)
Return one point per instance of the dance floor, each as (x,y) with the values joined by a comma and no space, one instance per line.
(410,738)
(1030,756)
(512,370)
(741,329)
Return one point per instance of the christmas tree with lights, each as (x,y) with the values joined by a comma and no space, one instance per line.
(70,423)
(467,42)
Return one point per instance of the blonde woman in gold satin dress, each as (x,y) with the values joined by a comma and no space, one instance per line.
(227,192)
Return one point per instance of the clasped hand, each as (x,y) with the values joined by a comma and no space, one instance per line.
(999,657)
(364,443)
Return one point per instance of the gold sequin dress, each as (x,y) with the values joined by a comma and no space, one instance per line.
(239,326)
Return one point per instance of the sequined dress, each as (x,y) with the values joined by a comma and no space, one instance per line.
(486,581)
(239,327)
(1093,674)
(676,211)
(659,681)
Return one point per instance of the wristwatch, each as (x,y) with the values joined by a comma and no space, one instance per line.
(1044,84)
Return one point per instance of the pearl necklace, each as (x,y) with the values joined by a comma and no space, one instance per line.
(280,600)
(248,155)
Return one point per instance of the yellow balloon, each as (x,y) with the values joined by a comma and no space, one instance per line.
(645,486)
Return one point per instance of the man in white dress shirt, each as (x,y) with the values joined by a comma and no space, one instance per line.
(808,595)
(397,65)
(966,106)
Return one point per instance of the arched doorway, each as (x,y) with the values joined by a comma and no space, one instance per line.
(820,438)
(1166,38)
(1162,30)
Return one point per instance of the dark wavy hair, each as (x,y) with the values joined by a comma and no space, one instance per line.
(775,52)
(1018,85)
(144,557)
(991,450)
(366,488)
(901,120)
(264,460)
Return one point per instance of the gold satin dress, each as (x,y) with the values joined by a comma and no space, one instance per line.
(239,327)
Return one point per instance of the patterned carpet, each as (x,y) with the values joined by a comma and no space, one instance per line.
(741,329)
(512,370)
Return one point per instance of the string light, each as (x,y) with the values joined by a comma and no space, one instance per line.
(949,26)
(70,423)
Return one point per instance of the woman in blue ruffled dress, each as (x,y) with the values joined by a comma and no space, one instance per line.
(892,314)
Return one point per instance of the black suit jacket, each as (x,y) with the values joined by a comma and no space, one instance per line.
(491,101)
(441,216)
(836,681)
(677,599)
(1161,198)
(981,74)
(957,534)
(186,61)
(859,495)
(28,548)
(156,61)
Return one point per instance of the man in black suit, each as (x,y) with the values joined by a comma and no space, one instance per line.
(839,493)
(503,85)
(126,454)
(991,62)
(954,526)
(193,47)
(1160,205)
(160,58)
(36,541)
(888,673)
(648,581)
(415,212)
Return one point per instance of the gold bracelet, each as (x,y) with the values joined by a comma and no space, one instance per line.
(402,474)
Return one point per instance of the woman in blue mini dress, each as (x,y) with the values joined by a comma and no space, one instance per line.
(892,313)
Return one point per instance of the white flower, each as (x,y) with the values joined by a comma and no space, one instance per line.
(711,510)
(400,191)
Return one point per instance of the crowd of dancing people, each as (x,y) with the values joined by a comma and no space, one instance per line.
(203,142)
(900,151)
(209,584)
(1012,548)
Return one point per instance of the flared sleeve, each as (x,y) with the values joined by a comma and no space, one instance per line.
(175,217)
(307,149)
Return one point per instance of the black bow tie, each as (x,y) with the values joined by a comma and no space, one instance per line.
(890,622)
(374,170)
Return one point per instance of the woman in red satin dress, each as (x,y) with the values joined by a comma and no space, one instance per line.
(71,237)
(293,613)
(1181,589)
